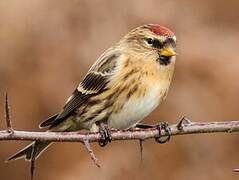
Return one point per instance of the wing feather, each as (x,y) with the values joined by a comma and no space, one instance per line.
(94,82)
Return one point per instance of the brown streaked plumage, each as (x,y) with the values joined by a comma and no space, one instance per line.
(125,84)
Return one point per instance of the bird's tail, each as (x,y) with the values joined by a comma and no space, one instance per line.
(32,151)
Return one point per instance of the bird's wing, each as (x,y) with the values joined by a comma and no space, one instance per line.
(94,82)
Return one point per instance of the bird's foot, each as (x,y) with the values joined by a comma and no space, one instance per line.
(165,127)
(161,126)
(105,135)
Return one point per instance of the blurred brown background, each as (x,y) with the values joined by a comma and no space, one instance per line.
(46,47)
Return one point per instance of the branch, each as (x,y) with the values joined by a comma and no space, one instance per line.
(133,134)
(184,127)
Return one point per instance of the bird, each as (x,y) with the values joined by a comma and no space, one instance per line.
(124,85)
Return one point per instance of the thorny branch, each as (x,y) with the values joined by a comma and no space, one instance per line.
(132,134)
(183,127)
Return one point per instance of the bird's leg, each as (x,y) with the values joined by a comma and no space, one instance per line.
(105,134)
(161,126)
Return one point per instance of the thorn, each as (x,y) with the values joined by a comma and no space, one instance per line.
(141,150)
(183,121)
(180,124)
(32,162)
(92,155)
(32,168)
(7,116)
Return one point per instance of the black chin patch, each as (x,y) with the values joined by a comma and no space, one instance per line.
(164,60)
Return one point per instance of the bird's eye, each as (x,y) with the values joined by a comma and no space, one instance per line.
(154,43)
(149,41)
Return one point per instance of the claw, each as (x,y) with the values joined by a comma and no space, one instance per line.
(163,126)
(105,135)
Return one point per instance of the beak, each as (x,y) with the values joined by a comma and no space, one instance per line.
(168,52)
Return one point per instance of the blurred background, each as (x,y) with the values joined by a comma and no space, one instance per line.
(46,47)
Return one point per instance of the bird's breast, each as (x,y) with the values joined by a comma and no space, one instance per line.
(137,108)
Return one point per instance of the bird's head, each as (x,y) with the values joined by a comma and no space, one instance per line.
(151,41)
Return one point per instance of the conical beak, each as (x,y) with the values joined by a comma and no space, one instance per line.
(168,52)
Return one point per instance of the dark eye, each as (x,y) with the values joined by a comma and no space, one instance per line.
(154,43)
(149,40)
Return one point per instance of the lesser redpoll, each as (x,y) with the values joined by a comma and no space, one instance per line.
(125,84)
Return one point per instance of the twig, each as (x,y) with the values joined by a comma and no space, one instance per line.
(90,151)
(133,134)
(7,116)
